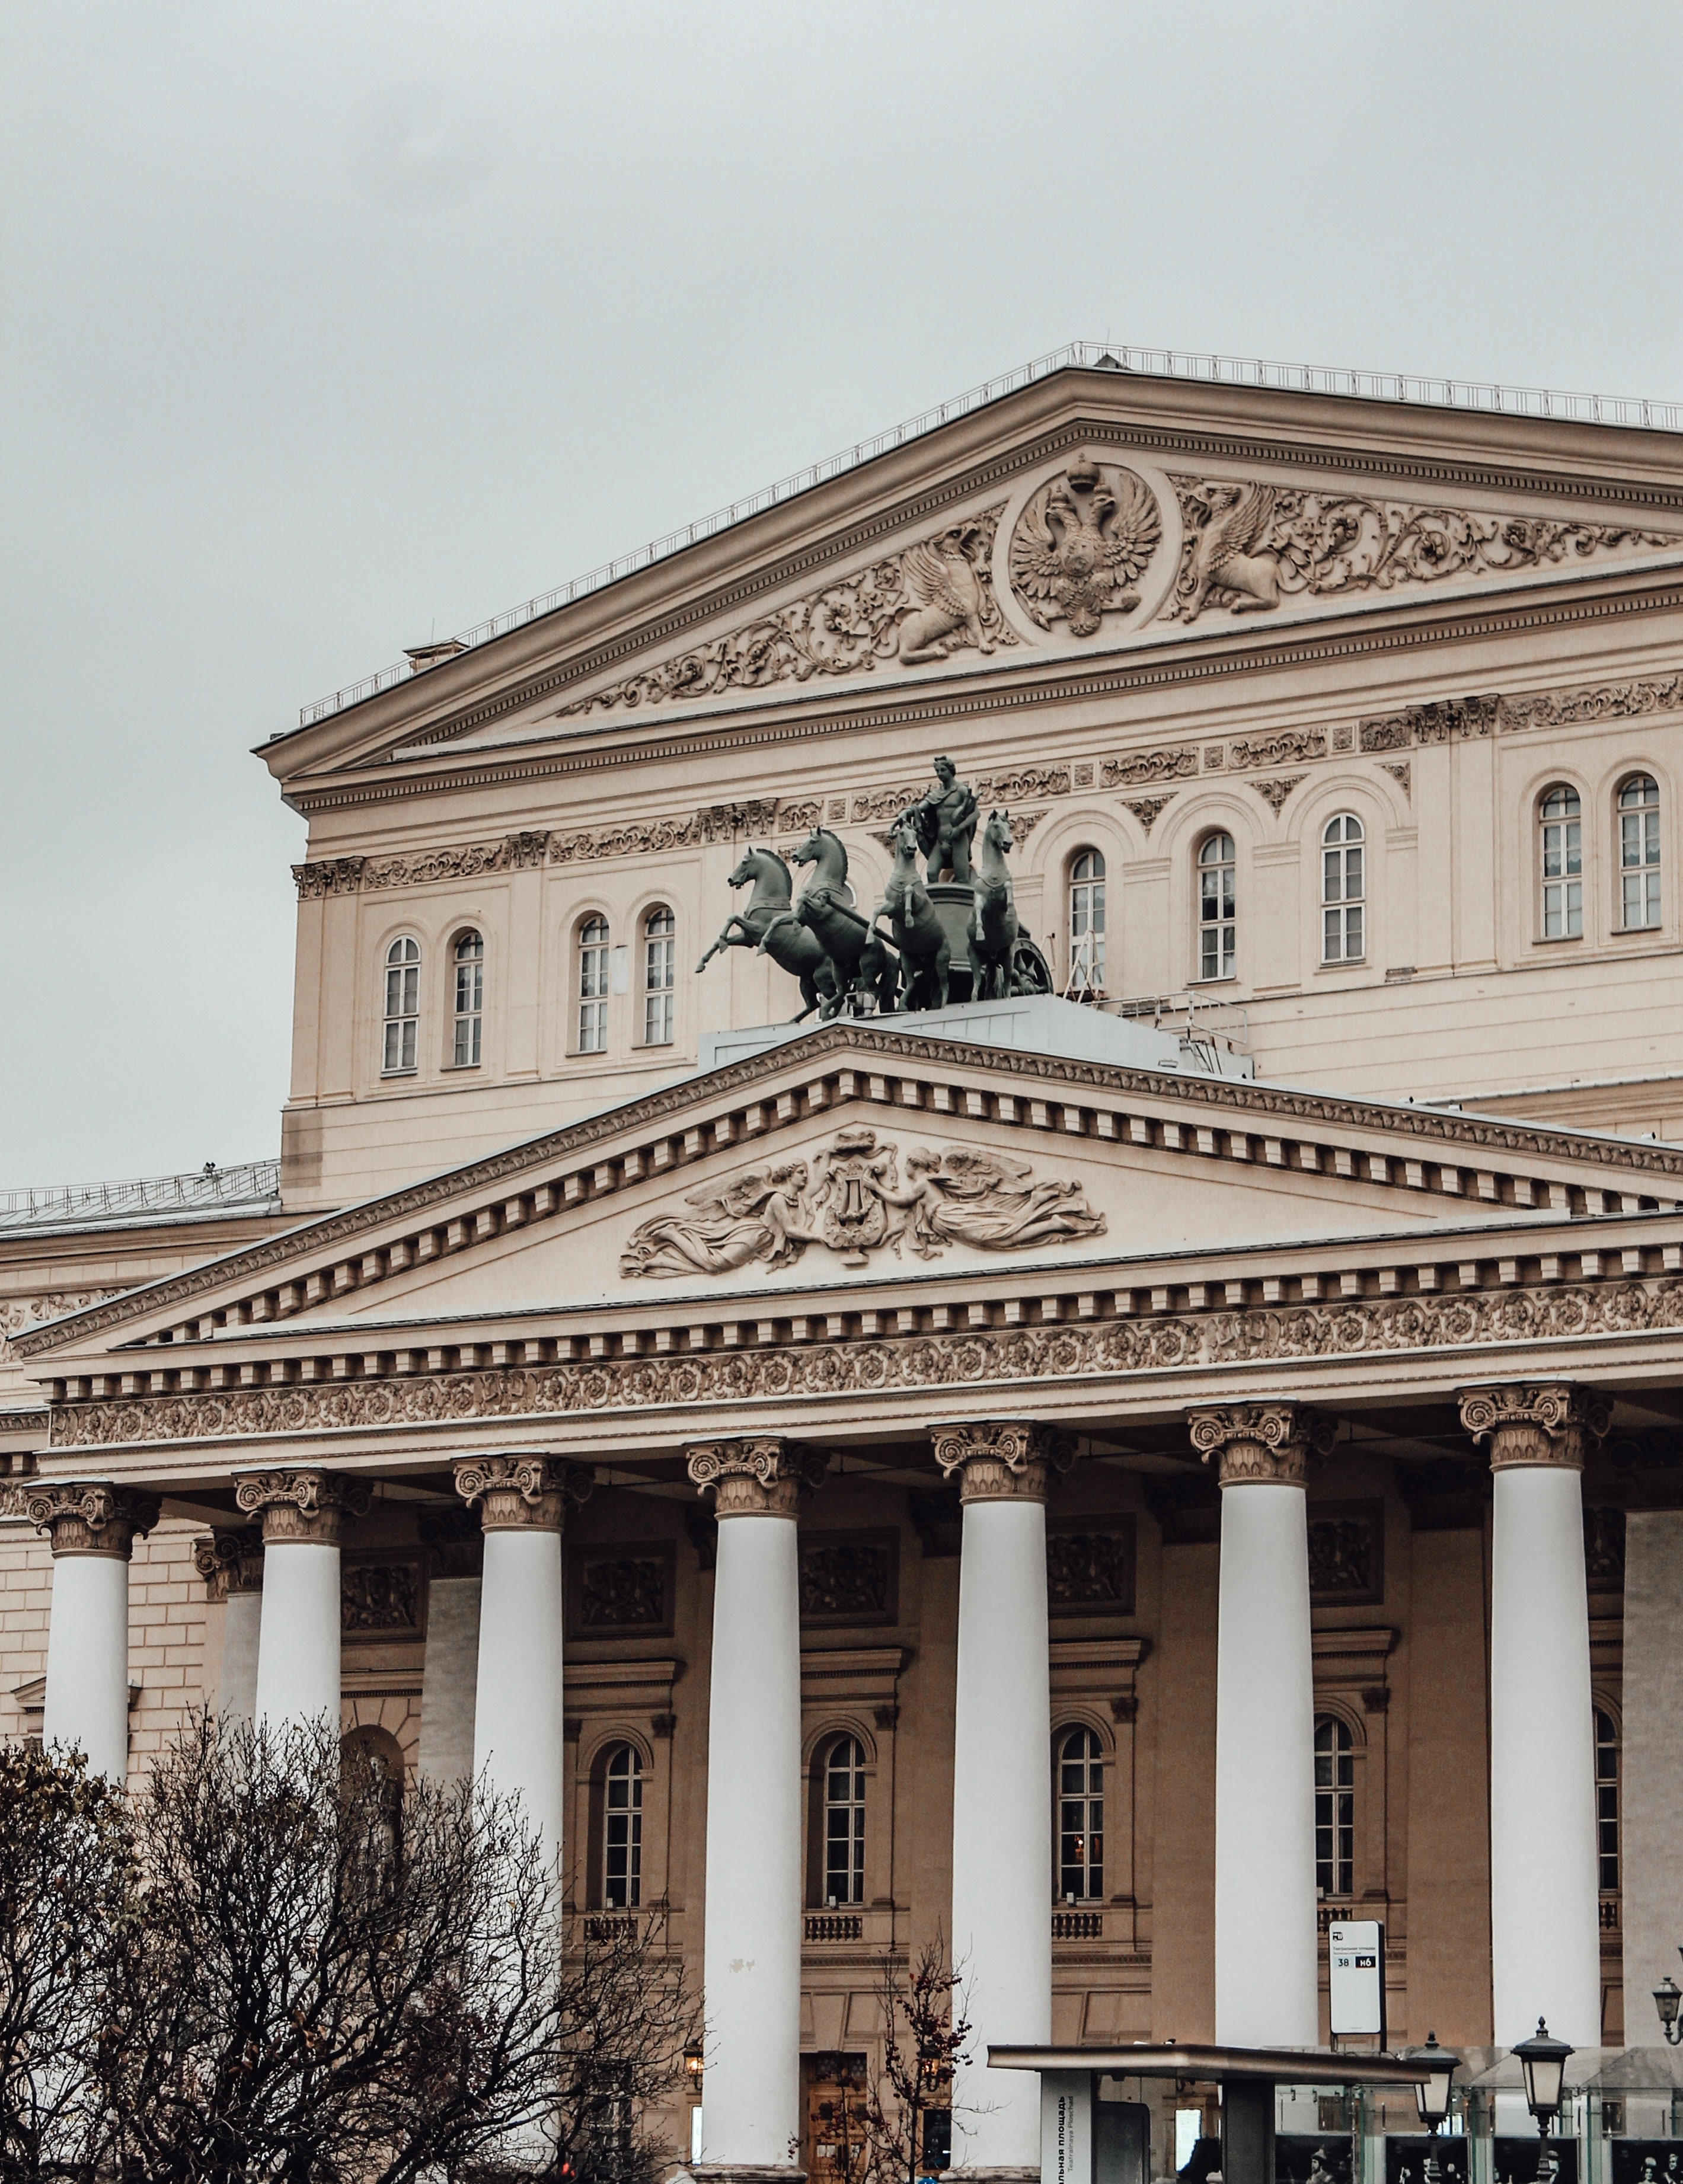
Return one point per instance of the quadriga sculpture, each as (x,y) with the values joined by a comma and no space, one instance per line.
(792,948)
(925,956)
(1003,960)
(859,959)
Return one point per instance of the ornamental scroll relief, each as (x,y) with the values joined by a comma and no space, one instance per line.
(933,598)
(849,1198)
(1248,545)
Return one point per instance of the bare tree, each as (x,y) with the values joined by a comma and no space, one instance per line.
(925,2038)
(65,1887)
(325,1985)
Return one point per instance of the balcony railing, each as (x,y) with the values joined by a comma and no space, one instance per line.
(1408,387)
(835,1926)
(1078,1926)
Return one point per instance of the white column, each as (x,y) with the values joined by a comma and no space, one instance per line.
(1650,1769)
(519,1738)
(751,1952)
(1545,1923)
(231,1565)
(1002,1789)
(92,1528)
(297,1655)
(1267,1944)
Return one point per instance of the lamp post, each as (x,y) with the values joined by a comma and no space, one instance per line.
(1667,1998)
(1543,2060)
(694,2058)
(1432,2094)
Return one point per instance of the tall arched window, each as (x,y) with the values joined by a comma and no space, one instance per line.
(1218,924)
(1344,889)
(1081,1816)
(1638,852)
(593,986)
(1335,1808)
(1561,823)
(1606,1804)
(659,948)
(845,1822)
(622,1829)
(403,1006)
(469,1007)
(1086,923)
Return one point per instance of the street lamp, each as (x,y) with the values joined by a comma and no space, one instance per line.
(1544,2063)
(1667,1997)
(694,2058)
(1431,2096)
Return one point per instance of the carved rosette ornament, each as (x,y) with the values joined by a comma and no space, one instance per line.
(1535,1428)
(307,1505)
(1262,1443)
(1011,1460)
(230,1562)
(94,1519)
(760,1478)
(526,1493)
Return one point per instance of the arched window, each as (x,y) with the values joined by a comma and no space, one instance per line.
(1561,823)
(1606,1804)
(622,1829)
(1081,1816)
(1086,923)
(1335,1808)
(845,1822)
(593,986)
(1638,852)
(469,953)
(660,947)
(403,1006)
(1344,890)
(1217,925)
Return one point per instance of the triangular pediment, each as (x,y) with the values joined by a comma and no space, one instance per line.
(1091,514)
(856,1156)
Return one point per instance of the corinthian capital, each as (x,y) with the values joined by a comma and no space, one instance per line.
(307,1504)
(230,1562)
(1261,1444)
(1535,1428)
(523,1493)
(96,1518)
(759,1478)
(1009,1460)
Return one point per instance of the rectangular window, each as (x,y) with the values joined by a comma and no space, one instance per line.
(1639,858)
(470,1003)
(1563,874)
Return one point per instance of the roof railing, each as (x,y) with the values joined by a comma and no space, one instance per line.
(1419,389)
(247,1183)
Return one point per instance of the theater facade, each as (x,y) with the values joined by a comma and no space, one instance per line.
(1163,1443)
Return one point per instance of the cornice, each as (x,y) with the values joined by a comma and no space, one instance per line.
(1319,1335)
(1375,633)
(1174,442)
(911,1078)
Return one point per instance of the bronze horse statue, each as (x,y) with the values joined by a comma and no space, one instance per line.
(858,956)
(793,949)
(925,958)
(1003,960)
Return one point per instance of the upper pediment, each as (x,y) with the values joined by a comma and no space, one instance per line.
(1091,514)
(856,1155)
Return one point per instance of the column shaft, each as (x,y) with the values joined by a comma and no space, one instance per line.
(517,1716)
(752,1944)
(92,1528)
(87,1660)
(1545,1920)
(297,1654)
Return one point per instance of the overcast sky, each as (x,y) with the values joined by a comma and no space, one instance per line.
(327,327)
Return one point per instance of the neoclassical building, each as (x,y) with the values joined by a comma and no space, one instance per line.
(1121,1477)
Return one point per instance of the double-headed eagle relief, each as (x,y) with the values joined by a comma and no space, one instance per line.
(949,933)
(849,1197)
(1082,543)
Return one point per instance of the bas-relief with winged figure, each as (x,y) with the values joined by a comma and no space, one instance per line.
(849,1198)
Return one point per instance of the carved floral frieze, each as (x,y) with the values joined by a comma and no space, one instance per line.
(818,1371)
(848,1195)
(922,604)
(1136,768)
(1248,545)
(22,1313)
